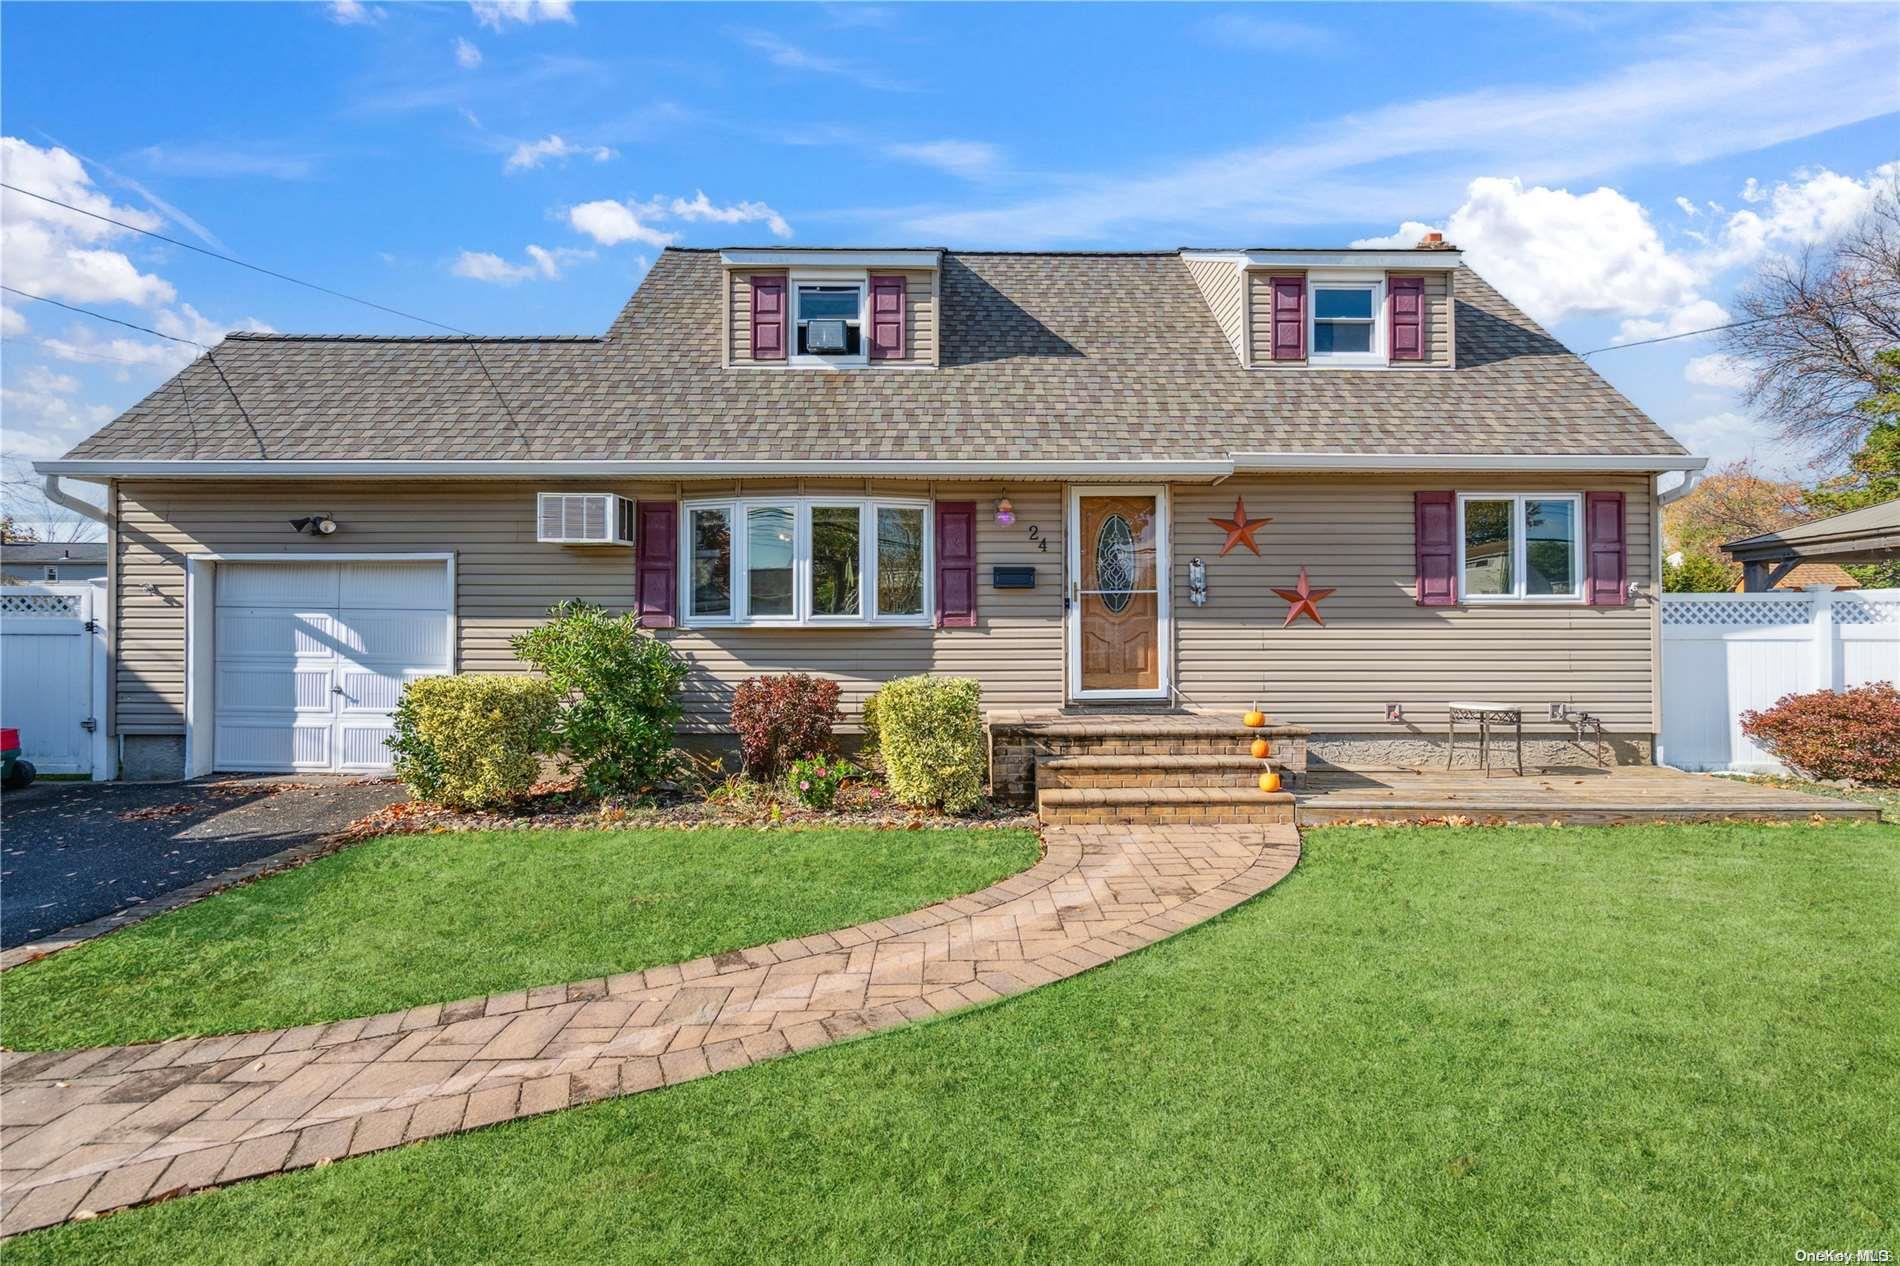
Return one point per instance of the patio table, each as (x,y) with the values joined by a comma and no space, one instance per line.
(1486,715)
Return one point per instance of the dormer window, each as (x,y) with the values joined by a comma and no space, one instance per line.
(1345,321)
(829,320)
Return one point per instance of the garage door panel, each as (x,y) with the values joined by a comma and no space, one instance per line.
(368,688)
(398,586)
(395,636)
(266,745)
(271,689)
(254,633)
(362,744)
(288,584)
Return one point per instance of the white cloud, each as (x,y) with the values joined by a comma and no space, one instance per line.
(1727,373)
(353,13)
(542,264)
(1725,437)
(971,160)
(1689,208)
(467,56)
(789,56)
(12,324)
(611,223)
(1752,190)
(497,14)
(702,208)
(49,251)
(217,161)
(1816,206)
(1720,83)
(531,154)
(1691,317)
(1268,35)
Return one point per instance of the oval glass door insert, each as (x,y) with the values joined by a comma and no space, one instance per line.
(1115,563)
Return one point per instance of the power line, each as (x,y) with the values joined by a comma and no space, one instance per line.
(1666,338)
(473,350)
(229,259)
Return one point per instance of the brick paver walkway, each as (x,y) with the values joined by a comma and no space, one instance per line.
(94,1130)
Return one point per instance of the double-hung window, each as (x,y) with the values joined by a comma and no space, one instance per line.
(1520,547)
(807,561)
(1346,322)
(828,320)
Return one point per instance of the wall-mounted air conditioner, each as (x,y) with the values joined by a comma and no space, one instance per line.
(583,518)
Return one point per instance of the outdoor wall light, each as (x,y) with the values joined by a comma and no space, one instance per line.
(315,524)
(1005,512)
(1395,712)
(1197,582)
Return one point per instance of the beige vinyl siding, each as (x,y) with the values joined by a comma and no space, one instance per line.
(1260,315)
(1438,324)
(1378,645)
(506,580)
(920,316)
(1223,286)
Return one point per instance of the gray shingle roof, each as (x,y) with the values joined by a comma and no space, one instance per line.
(1049,355)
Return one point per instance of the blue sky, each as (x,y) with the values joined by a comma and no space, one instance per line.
(513,168)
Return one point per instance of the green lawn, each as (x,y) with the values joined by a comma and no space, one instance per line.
(410,919)
(1609,1045)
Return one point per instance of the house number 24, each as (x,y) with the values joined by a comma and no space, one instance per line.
(1035,534)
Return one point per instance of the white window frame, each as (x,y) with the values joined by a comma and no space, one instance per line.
(800,279)
(802,614)
(1375,285)
(1520,541)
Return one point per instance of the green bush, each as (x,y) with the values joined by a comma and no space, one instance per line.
(475,740)
(814,782)
(930,732)
(621,687)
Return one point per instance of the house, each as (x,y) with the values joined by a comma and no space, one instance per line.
(39,563)
(1081,478)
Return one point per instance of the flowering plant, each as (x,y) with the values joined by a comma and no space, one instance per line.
(815,781)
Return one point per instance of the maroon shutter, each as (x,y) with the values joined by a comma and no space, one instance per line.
(1434,535)
(887,317)
(1408,317)
(768,318)
(1289,318)
(656,532)
(1608,548)
(956,564)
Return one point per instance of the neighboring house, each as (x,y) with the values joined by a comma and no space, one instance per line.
(1017,466)
(1809,575)
(39,563)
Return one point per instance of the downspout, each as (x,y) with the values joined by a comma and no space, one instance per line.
(78,505)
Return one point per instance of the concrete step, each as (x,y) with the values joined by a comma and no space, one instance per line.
(1110,805)
(1144,770)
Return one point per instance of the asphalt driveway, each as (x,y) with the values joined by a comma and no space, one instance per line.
(73,851)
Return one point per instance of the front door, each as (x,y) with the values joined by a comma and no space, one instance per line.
(1118,596)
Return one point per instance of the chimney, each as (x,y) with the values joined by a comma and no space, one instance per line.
(1434,241)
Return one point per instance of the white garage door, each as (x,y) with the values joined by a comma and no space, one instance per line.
(311,658)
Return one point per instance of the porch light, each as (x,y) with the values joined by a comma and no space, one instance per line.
(1005,512)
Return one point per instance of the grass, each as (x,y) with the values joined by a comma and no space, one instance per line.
(1581,1045)
(410,919)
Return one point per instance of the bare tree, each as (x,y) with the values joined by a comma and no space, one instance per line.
(1819,321)
(28,508)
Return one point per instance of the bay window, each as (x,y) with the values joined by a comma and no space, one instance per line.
(808,561)
(1520,547)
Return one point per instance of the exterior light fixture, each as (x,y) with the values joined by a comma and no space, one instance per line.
(1395,712)
(1005,512)
(1197,582)
(315,525)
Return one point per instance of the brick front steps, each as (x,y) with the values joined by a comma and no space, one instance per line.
(90,1131)
(1147,771)
(1161,805)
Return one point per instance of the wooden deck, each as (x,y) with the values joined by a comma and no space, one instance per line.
(1581,796)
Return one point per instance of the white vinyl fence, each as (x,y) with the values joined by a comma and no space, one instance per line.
(1726,653)
(53,675)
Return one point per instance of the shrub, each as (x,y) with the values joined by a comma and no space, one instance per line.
(621,687)
(1699,573)
(930,731)
(475,740)
(815,781)
(783,718)
(1852,734)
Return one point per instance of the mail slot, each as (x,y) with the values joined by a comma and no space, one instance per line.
(1013,578)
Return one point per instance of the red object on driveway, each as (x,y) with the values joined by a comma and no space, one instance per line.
(9,740)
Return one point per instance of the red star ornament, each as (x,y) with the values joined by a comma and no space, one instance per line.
(1240,528)
(1305,600)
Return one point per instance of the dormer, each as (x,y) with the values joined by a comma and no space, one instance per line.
(829,309)
(1338,309)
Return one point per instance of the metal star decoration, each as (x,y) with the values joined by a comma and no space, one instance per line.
(1240,528)
(1304,600)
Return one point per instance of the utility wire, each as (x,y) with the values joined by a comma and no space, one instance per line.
(474,351)
(1666,338)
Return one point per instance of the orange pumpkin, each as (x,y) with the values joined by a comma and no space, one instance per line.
(1260,749)
(1254,720)
(1270,781)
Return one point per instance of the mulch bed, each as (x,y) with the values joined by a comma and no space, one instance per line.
(559,805)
